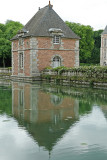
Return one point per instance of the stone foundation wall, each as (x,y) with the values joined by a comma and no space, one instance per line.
(76,76)
(76,73)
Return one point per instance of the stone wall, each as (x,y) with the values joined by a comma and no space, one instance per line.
(87,76)
(103,50)
(5,70)
(76,73)
(5,74)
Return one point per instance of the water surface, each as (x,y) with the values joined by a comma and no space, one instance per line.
(41,122)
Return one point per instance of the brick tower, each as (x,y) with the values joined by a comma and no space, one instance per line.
(45,41)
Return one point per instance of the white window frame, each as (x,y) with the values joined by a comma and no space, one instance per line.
(56,61)
(21,60)
(56,39)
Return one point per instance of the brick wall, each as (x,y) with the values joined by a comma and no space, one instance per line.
(46,42)
(38,53)
(44,58)
(16,49)
(66,50)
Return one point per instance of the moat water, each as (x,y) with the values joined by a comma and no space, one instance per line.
(42,122)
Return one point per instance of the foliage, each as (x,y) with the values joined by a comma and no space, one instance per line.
(90,42)
(5,100)
(82,69)
(86,41)
(95,57)
(12,28)
(5,50)
(89,64)
(7,31)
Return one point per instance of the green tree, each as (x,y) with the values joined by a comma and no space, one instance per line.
(12,28)
(5,50)
(2,30)
(95,58)
(7,31)
(86,41)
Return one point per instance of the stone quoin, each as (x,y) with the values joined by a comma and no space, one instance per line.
(45,41)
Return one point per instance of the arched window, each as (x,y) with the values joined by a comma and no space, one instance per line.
(56,100)
(56,61)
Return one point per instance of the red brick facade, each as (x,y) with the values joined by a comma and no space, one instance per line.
(24,104)
(45,51)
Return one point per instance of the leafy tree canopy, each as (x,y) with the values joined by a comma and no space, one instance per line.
(95,57)
(7,31)
(86,42)
(12,28)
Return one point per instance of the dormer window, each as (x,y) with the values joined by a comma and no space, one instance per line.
(56,33)
(22,32)
(56,39)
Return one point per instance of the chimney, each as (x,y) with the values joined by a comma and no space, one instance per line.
(50,6)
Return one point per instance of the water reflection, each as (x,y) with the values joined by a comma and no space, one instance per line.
(46,116)
(54,123)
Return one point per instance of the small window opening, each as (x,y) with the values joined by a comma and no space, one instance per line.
(105,54)
(105,42)
(56,39)
(21,60)
(21,97)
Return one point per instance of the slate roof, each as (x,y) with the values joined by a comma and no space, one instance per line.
(105,31)
(42,21)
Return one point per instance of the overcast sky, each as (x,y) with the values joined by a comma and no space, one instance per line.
(87,12)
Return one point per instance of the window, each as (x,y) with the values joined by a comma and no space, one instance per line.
(20,42)
(56,100)
(104,63)
(15,45)
(21,60)
(104,53)
(56,39)
(21,97)
(105,42)
(56,61)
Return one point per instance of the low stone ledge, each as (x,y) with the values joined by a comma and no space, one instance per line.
(25,79)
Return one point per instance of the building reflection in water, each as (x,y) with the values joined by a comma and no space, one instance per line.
(46,116)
